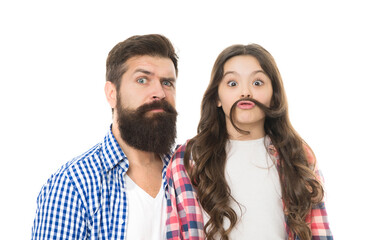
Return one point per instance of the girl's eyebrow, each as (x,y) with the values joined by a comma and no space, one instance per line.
(252,74)
(228,72)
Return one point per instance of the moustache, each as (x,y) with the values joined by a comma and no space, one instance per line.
(161,104)
(269,112)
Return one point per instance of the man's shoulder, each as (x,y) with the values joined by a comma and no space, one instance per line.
(88,161)
(70,193)
(79,172)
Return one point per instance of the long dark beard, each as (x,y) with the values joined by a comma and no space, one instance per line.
(155,133)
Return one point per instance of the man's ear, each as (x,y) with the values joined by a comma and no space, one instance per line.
(111,94)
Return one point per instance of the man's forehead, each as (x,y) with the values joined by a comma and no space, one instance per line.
(153,65)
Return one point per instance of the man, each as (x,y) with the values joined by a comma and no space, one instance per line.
(116,190)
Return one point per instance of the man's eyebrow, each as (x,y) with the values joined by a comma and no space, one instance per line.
(140,70)
(170,79)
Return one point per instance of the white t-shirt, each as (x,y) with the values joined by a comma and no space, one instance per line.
(146,215)
(254,183)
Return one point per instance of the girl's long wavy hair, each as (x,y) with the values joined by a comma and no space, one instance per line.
(300,187)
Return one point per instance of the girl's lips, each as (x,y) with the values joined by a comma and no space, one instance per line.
(245,104)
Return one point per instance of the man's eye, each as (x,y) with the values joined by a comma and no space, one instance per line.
(142,80)
(258,83)
(232,83)
(167,83)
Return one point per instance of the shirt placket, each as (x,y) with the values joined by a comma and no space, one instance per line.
(123,220)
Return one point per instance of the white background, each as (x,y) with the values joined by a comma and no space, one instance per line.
(52,61)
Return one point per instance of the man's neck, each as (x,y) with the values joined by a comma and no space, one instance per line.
(144,167)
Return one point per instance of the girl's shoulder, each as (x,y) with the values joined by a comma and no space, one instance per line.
(307,150)
(180,150)
(177,160)
(309,154)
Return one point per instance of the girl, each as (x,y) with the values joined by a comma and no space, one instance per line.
(247,174)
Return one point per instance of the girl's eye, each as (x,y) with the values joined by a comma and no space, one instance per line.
(257,83)
(232,83)
(142,80)
(167,83)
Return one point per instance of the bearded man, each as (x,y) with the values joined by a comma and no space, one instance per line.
(117,189)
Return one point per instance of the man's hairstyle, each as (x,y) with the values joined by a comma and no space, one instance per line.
(154,45)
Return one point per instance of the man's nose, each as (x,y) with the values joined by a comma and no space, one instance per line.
(158,92)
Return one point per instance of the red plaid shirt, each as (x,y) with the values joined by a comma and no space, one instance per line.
(185,221)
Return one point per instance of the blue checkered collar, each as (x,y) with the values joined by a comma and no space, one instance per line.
(112,151)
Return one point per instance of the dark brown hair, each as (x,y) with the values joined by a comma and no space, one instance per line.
(300,187)
(139,45)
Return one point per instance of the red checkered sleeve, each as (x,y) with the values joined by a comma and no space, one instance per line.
(184,215)
(318,218)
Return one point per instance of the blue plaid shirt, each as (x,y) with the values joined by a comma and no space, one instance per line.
(86,198)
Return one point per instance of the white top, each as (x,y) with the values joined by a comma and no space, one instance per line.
(254,183)
(147,215)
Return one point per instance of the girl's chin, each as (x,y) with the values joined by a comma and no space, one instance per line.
(248,124)
(248,121)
